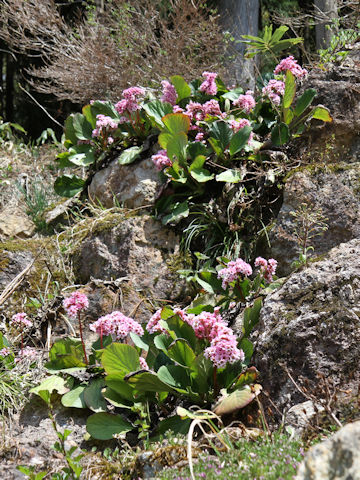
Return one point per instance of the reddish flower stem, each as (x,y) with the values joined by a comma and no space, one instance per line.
(82,340)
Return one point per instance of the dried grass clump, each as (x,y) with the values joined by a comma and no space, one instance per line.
(129,43)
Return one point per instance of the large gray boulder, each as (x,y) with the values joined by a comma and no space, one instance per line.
(312,324)
(333,189)
(131,186)
(337,458)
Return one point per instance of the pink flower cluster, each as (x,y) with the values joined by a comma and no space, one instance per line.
(27,353)
(289,63)
(74,304)
(161,160)
(233,270)
(143,363)
(267,267)
(116,324)
(4,352)
(237,125)
(130,101)
(103,125)
(223,349)
(209,85)
(154,326)
(169,92)
(246,102)
(20,320)
(273,90)
(197,111)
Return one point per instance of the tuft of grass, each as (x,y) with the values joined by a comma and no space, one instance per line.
(264,459)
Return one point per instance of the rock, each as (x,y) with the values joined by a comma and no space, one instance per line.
(301,415)
(132,186)
(311,324)
(139,250)
(336,458)
(11,264)
(335,190)
(59,212)
(15,223)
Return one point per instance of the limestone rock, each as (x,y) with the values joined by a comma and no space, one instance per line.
(337,458)
(312,324)
(11,264)
(15,223)
(137,249)
(333,190)
(133,186)
(301,415)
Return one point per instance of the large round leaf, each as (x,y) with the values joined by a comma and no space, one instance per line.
(74,398)
(103,426)
(68,185)
(93,396)
(120,358)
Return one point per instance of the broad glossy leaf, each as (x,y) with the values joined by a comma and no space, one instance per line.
(182,88)
(147,382)
(251,316)
(195,149)
(239,140)
(175,377)
(181,329)
(156,110)
(322,113)
(222,132)
(129,155)
(74,398)
(82,155)
(197,163)
(49,385)
(69,130)
(116,382)
(64,354)
(288,115)
(237,400)
(290,89)
(176,146)
(181,352)
(138,342)
(179,211)
(285,44)
(68,185)
(280,134)
(103,426)
(83,129)
(104,108)
(231,175)
(117,400)
(278,34)
(175,424)
(88,114)
(209,282)
(304,101)
(233,94)
(176,123)
(120,358)
(93,396)
(162,342)
(248,348)
(201,175)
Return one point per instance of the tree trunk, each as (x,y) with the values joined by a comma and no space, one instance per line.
(240,17)
(325,11)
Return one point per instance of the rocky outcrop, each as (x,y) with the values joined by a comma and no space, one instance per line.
(139,250)
(336,458)
(131,186)
(335,190)
(15,223)
(312,324)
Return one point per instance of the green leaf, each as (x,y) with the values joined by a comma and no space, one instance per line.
(117,383)
(138,342)
(162,342)
(278,34)
(175,424)
(82,155)
(198,162)
(117,400)
(288,115)
(68,185)
(251,316)
(49,385)
(215,145)
(103,426)
(176,123)
(66,353)
(285,44)
(182,88)
(93,396)
(176,145)
(322,113)
(180,329)
(222,132)
(246,378)
(196,149)
(209,282)
(74,398)
(156,110)
(236,400)
(280,134)
(120,358)
(179,211)
(239,140)
(181,352)
(69,130)
(103,108)
(290,89)
(129,155)
(233,94)
(304,101)
(248,348)
(201,175)
(88,114)
(230,176)
(83,129)
(175,377)
(62,160)
(147,382)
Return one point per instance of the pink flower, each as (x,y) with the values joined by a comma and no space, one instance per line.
(169,92)
(143,363)
(185,317)
(21,320)
(116,324)
(237,125)
(289,63)
(195,111)
(177,109)
(130,101)
(4,352)
(161,160)
(223,349)
(199,137)
(273,90)
(212,107)
(267,267)
(245,102)
(104,125)
(153,324)
(233,271)
(75,304)
(204,324)
(209,85)
(27,353)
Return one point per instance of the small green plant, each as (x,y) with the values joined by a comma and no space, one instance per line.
(338,49)
(36,198)
(309,223)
